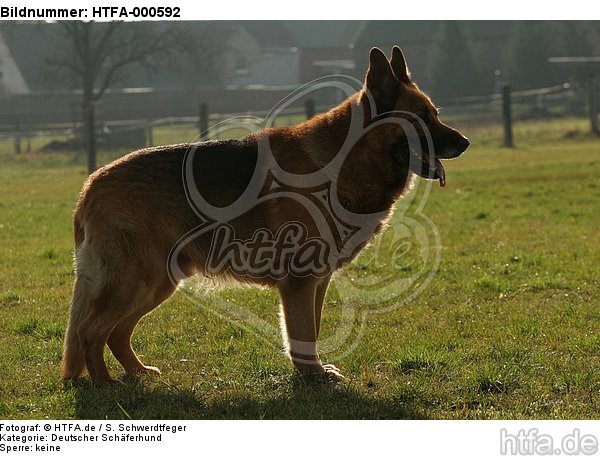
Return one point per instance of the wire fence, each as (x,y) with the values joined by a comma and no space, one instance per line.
(545,101)
(114,134)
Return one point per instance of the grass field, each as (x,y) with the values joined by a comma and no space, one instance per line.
(508,328)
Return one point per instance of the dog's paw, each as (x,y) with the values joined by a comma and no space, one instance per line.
(333,373)
(150,370)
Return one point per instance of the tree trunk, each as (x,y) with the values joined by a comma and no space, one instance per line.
(89,122)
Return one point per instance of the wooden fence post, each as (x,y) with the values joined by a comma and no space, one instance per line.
(18,139)
(507,116)
(309,107)
(149,135)
(593,103)
(203,120)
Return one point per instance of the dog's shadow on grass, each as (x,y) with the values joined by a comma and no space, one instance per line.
(298,399)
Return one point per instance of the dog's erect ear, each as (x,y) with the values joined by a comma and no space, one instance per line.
(398,65)
(380,77)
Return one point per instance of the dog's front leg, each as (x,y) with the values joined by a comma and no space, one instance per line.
(299,298)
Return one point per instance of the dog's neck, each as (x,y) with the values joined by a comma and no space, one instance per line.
(370,180)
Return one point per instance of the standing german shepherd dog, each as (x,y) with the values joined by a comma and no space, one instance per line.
(132,213)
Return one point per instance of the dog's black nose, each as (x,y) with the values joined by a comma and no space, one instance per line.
(464,143)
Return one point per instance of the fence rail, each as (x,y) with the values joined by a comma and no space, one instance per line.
(481,107)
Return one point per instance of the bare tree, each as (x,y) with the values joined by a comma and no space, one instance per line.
(96,56)
(197,52)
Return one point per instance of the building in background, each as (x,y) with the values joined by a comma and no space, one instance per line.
(489,41)
(267,53)
(12,81)
(259,63)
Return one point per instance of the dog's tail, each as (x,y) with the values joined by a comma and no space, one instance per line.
(73,359)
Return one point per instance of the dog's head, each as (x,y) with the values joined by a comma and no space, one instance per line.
(394,92)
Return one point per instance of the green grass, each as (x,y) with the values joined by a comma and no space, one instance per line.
(508,328)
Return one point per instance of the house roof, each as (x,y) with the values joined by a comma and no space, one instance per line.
(302,34)
(31,45)
(388,33)
(269,34)
(323,34)
(11,78)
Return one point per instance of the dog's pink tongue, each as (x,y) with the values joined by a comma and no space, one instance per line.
(439,169)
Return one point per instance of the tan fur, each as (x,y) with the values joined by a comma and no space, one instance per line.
(133,211)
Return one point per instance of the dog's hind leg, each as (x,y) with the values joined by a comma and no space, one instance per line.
(89,281)
(106,312)
(119,340)
(115,289)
